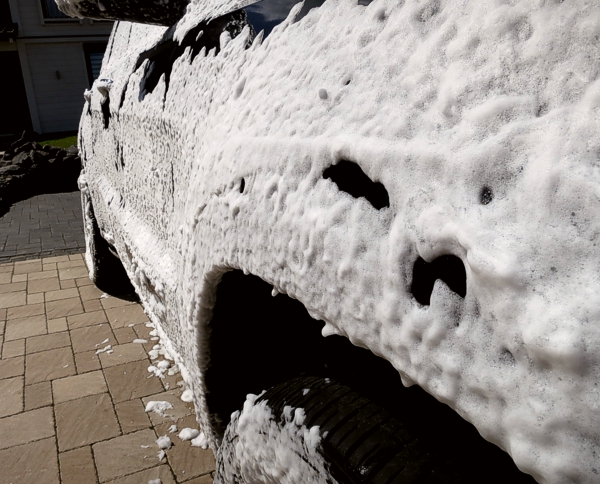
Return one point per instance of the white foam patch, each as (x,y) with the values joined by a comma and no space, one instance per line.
(266,451)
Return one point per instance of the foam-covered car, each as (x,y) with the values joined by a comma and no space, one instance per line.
(366,231)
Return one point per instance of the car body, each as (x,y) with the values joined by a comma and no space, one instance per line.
(478,118)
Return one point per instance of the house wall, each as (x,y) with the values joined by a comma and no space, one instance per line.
(48,46)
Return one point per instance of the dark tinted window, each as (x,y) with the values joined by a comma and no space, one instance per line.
(51,10)
(267,14)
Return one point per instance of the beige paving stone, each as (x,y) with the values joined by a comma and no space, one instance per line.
(125,335)
(72,272)
(129,381)
(25,327)
(11,396)
(92,338)
(61,294)
(76,256)
(207,479)
(10,349)
(67,284)
(2,326)
(87,361)
(70,263)
(12,299)
(14,287)
(57,325)
(163,473)
(35,298)
(34,276)
(83,281)
(49,266)
(143,332)
(46,342)
(64,307)
(24,267)
(132,416)
(43,285)
(26,427)
(78,386)
(111,302)
(85,421)
(124,354)
(38,395)
(12,367)
(180,408)
(55,259)
(49,365)
(86,319)
(122,316)
(187,461)
(125,455)
(26,311)
(19,278)
(90,292)
(3,313)
(5,277)
(77,466)
(33,463)
(92,305)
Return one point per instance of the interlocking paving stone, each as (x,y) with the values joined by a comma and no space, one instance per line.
(46,342)
(129,381)
(77,466)
(78,386)
(10,367)
(41,226)
(186,461)
(122,316)
(25,327)
(11,396)
(92,338)
(86,319)
(33,463)
(13,299)
(125,455)
(10,349)
(61,294)
(25,311)
(207,479)
(163,473)
(49,365)
(64,307)
(38,395)
(132,416)
(92,404)
(87,361)
(13,287)
(57,325)
(180,408)
(85,421)
(26,427)
(124,354)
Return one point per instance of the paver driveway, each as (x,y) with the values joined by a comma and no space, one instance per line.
(70,415)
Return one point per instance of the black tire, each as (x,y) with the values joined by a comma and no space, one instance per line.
(360,442)
(108,273)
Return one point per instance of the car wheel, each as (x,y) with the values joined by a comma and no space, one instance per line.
(316,430)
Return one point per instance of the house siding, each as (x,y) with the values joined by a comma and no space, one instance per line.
(46,46)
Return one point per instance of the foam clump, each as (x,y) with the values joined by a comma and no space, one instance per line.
(480,118)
